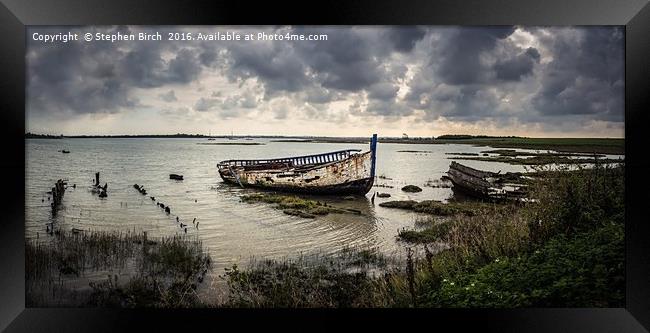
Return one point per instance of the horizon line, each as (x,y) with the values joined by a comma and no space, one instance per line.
(478,136)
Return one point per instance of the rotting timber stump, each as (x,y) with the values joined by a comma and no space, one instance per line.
(102,190)
(58,191)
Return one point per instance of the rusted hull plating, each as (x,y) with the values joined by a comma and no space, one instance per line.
(351,175)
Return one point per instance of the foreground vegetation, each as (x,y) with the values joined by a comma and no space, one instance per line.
(165,272)
(339,280)
(564,250)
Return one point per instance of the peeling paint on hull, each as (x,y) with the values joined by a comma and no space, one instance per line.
(351,175)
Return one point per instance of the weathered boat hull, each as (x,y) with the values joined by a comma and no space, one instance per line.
(339,172)
(358,187)
(348,176)
(483,184)
(469,181)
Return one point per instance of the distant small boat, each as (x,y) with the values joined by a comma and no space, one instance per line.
(175,176)
(339,172)
(65,151)
(211,139)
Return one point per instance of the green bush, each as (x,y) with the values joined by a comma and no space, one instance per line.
(584,271)
(571,202)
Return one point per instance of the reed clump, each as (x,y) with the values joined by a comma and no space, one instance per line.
(344,279)
(162,272)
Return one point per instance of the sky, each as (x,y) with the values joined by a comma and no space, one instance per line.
(420,80)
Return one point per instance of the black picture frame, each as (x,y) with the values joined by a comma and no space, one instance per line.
(634,15)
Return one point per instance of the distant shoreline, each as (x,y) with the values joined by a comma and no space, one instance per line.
(574,145)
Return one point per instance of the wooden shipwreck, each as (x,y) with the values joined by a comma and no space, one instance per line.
(485,184)
(347,171)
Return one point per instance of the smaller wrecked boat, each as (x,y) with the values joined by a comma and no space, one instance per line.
(175,176)
(485,184)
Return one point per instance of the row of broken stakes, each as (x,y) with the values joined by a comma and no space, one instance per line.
(58,191)
(167,209)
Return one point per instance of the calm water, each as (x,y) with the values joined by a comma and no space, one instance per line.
(233,231)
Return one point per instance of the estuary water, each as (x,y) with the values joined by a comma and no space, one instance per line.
(232,231)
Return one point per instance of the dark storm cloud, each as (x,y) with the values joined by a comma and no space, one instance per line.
(474,74)
(515,68)
(144,67)
(404,38)
(78,78)
(349,60)
(320,95)
(278,67)
(473,104)
(455,81)
(585,76)
(383,91)
(59,81)
(460,53)
(388,109)
(184,68)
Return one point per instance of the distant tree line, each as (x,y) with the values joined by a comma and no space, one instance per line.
(466,136)
(177,135)
(29,135)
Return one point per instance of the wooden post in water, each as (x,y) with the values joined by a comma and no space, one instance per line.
(57,195)
(373,149)
(96,178)
(54,200)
